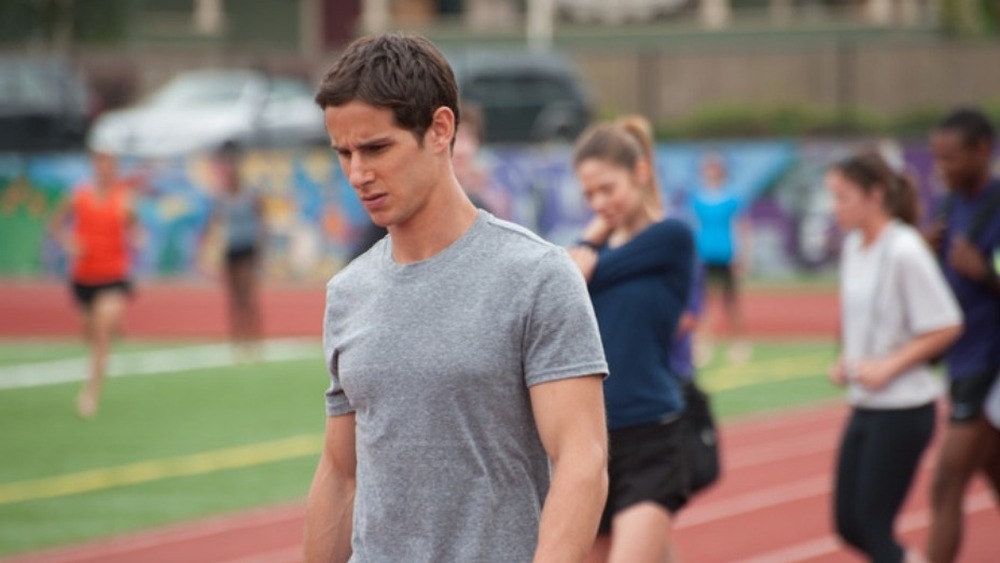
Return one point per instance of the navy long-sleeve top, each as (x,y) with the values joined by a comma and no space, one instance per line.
(639,291)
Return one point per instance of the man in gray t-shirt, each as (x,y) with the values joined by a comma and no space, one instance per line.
(463,351)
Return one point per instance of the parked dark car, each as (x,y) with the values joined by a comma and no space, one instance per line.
(525,96)
(44,105)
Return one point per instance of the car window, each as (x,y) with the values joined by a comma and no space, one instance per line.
(25,84)
(202,90)
(517,89)
(282,89)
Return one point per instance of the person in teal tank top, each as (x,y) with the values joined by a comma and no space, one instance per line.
(723,239)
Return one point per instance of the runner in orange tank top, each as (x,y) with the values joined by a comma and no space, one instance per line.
(103,224)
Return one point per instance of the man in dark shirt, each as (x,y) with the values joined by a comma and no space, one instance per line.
(966,238)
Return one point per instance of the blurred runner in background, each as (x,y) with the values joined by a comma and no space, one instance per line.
(96,226)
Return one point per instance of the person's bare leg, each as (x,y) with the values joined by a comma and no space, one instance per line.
(960,456)
(599,552)
(250,306)
(245,307)
(704,336)
(642,534)
(740,350)
(231,281)
(913,555)
(991,462)
(106,313)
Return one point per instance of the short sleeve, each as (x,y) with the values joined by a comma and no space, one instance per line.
(561,339)
(336,400)
(928,299)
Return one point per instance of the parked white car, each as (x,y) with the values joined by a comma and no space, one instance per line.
(206,110)
(619,12)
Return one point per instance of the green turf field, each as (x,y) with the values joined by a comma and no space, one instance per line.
(190,442)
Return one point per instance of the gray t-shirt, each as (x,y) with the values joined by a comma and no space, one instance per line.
(890,293)
(435,358)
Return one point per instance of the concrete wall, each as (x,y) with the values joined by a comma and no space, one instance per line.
(669,79)
(888,78)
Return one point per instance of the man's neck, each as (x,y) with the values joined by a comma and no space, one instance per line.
(447,215)
(979,186)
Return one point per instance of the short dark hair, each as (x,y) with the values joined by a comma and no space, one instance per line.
(971,124)
(404,73)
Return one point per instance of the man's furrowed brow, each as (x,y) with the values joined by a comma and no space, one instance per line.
(379,141)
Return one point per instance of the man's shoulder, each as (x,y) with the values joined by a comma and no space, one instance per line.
(359,269)
(524,255)
(517,240)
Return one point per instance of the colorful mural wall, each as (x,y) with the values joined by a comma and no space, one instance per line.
(314,218)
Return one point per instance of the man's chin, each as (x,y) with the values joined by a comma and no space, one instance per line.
(380,219)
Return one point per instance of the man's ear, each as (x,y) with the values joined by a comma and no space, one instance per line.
(442,129)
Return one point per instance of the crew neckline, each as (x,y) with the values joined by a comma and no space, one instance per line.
(446,255)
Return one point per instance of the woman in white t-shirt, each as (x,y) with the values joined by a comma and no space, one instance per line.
(896,314)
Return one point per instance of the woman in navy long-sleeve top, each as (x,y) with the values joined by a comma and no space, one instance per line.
(638,268)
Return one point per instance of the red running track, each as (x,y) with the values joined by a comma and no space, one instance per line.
(43,308)
(772,506)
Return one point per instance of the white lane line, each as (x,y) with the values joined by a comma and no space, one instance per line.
(739,505)
(908,522)
(799,552)
(781,450)
(174,360)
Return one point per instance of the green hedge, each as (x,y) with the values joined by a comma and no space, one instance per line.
(739,121)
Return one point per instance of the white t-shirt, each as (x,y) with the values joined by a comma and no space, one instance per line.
(891,292)
(992,406)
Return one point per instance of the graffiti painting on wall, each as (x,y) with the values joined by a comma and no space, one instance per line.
(313,215)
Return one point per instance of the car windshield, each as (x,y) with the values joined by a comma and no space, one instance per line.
(201,90)
(29,85)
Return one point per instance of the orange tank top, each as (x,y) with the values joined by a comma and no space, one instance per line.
(101,229)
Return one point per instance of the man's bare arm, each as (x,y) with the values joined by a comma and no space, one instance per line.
(570,417)
(330,504)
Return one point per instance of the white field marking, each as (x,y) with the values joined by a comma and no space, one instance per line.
(291,554)
(908,522)
(750,502)
(36,374)
(175,534)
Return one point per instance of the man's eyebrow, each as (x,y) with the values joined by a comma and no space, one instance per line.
(371,143)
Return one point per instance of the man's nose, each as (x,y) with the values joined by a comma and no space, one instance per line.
(358,174)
